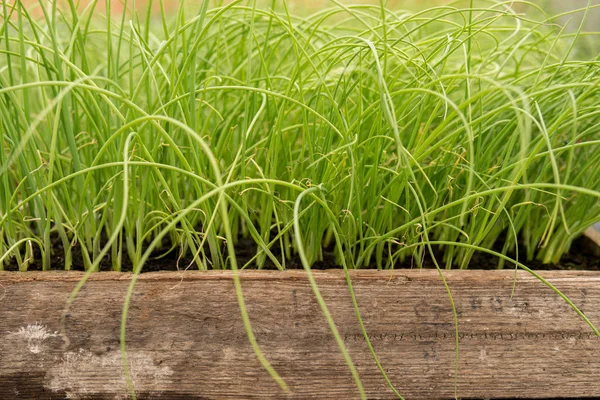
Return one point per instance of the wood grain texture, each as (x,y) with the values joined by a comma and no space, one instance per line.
(185,338)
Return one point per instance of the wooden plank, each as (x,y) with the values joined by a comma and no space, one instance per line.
(185,338)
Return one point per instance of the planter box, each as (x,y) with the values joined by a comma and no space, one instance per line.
(185,338)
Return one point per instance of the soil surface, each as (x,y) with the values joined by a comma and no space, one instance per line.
(583,255)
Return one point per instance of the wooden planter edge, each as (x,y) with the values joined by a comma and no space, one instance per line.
(185,338)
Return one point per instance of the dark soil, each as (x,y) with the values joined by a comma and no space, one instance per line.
(583,255)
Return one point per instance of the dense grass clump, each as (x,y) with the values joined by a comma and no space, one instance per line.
(372,132)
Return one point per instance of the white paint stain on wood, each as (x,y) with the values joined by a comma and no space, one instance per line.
(83,373)
(34,335)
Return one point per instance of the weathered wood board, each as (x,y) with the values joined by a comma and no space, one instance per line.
(185,338)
